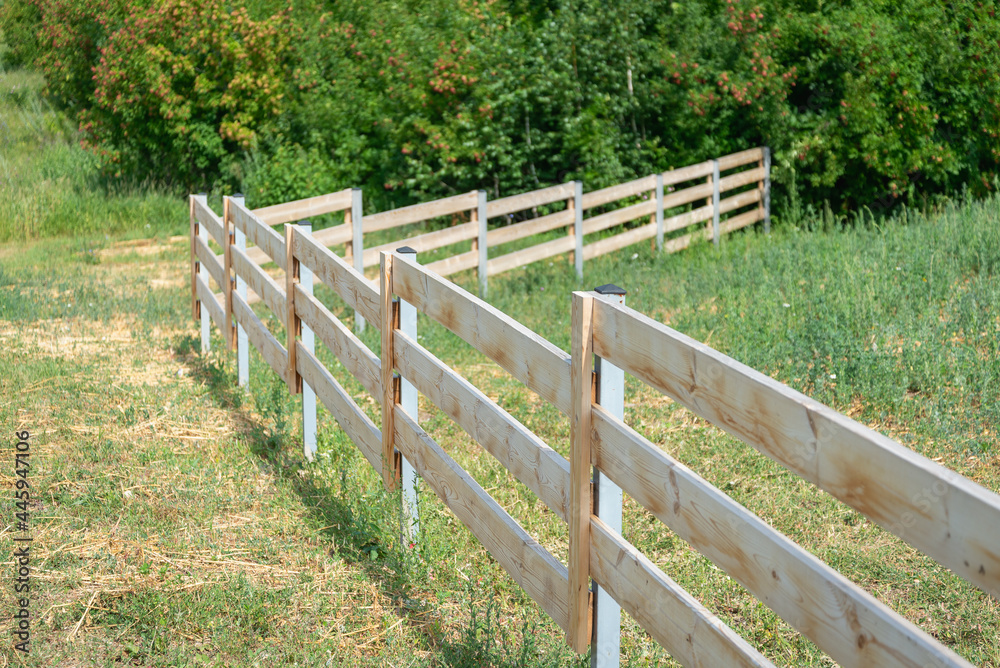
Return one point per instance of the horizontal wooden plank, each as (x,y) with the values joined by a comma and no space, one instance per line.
(455,263)
(674,618)
(734,160)
(687,195)
(619,216)
(687,218)
(340,277)
(739,179)
(273,352)
(527,228)
(361,362)
(358,426)
(741,220)
(623,240)
(210,262)
(506,205)
(269,241)
(214,304)
(334,236)
(260,282)
(839,616)
(519,258)
(617,192)
(540,365)
(740,200)
(425,242)
(301,209)
(213,223)
(418,212)
(682,174)
(930,507)
(538,573)
(543,470)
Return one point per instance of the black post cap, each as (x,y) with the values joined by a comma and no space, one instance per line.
(406,249)
(610,289)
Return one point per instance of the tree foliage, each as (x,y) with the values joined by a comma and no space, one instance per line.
(863,103)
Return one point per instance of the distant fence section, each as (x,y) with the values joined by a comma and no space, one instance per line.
(724,194)
(937,511)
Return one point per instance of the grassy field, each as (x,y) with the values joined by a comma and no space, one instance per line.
(176,524)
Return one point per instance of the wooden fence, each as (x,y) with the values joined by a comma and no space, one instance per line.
(671,201)
(935,510)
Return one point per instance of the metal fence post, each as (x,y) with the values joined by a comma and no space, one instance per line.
(715,202)
(482,218)
(309,343)
(408,402)
(578,227)
(357,246)
(242,344)
(606,648)
(767,190)
(659,212)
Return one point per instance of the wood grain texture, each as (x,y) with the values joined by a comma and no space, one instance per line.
(743,178)
(619,216)
(741,158)
(210,262)
(736,201)
(349,416)
(293,326)
(538,573)
(627,238)
(291,212)
(361,362)
(617,192)
(455,263)
(258,280)
(675,619)
(682,174)
(340,277)
(580,492)
(334,236)
(212,222)
(514,203)
(930,507)
(840,617)
(262,339)
(214,304)
(388,321)
(418,212)
(542,470)
(540,365)
(508,233)
(424,242)
(269,241)
(519,258)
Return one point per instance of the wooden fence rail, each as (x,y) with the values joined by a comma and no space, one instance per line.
(659,193)
(930,507)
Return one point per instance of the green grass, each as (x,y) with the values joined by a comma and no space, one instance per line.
(176,524)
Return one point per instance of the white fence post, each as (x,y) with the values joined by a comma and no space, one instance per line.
(606,642)
(357,246)
(482,218)
(408,402)
(242,344)
(309,343)
(578,227)
(206,320)
(715,202)
(767,190)
(659,212)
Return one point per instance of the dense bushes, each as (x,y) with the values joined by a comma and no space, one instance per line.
(864,103)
